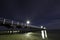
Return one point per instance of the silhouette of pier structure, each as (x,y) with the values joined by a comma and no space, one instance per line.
(20,26)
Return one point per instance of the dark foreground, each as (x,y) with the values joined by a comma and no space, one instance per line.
(52,35)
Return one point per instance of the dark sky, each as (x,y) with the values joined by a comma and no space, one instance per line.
(39,12)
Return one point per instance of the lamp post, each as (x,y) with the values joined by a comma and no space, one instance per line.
(27,22)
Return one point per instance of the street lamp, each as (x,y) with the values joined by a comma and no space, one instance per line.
(27,22)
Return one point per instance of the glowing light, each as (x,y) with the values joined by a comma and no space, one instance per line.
(44,27)
(28,22)
(42,34)
(41,26)
(28,34)
(45,33)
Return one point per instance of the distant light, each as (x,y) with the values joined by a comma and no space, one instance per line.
(41,26)
(4,21)
(28,22)
(44,27)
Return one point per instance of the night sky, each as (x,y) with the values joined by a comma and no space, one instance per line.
(39,12)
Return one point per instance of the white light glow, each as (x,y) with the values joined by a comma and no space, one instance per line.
(45,33)
(13,31)
(44,27)
(28,34)
(42,34)
(41,26)
(28,22)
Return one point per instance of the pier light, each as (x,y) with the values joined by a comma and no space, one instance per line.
(41,26)
(27,22)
